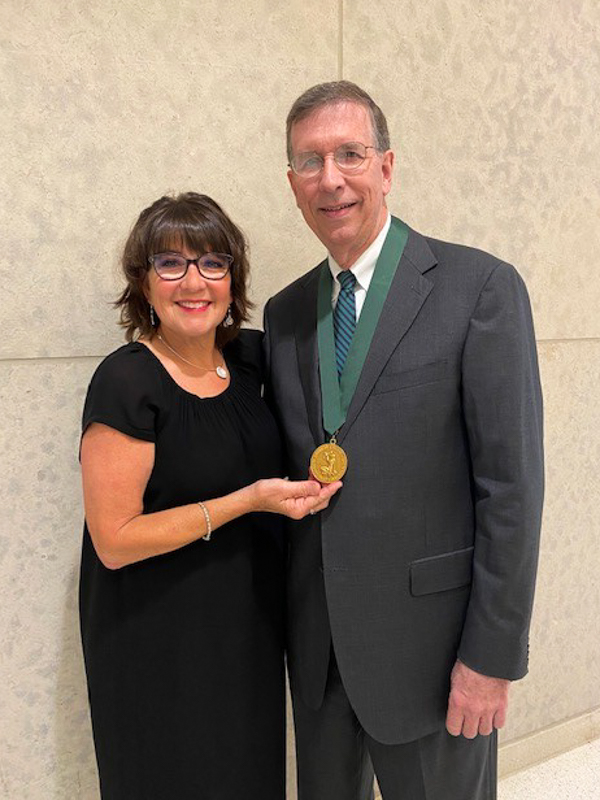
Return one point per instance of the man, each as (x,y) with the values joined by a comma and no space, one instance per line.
(410,596)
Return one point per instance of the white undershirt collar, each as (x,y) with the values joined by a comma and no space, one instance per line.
(363,268)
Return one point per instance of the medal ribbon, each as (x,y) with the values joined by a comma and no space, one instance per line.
(337,394)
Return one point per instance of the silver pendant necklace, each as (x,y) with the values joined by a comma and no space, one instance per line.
(221,370)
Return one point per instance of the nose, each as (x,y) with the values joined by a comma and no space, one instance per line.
(193,278)
(331,177)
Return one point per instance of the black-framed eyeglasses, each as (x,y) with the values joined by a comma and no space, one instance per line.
(174,266)
(348,157)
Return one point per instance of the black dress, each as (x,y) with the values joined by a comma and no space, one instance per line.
(184,651)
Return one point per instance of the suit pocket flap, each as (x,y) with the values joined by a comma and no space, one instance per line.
(440,573)
(426,373)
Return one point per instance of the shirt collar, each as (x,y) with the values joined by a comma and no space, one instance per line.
(364,266)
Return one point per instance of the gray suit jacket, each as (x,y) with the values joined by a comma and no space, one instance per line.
(429,551)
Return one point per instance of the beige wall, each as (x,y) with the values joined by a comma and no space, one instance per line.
(494,113)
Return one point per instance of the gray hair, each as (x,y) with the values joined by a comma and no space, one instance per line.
(331,93)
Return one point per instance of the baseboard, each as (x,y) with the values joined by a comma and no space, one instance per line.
(549,742)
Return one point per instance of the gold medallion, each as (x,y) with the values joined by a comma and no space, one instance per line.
(328,463)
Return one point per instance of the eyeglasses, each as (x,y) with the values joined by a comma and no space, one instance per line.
(174,267)
(348,157)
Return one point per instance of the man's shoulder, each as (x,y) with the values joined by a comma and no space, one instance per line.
(291,292)
(461,255)
(460,270)
(459,263)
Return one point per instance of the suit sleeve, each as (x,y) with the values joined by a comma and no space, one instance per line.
(502,404)
(266,359)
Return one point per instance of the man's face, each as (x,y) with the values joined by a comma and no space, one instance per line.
(346,210)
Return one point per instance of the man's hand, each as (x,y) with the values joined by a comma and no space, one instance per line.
(477,702)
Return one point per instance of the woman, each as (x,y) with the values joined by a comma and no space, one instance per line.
(181,579)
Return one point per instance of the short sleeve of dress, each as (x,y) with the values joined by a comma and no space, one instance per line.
(125,394)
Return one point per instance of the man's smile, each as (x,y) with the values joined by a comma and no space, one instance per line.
(336,210)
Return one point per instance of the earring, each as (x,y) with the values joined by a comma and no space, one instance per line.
(228,321)
(152,317)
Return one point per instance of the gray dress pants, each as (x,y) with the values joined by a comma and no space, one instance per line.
(337,759)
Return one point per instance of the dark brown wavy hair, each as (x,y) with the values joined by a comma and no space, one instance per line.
(193,221)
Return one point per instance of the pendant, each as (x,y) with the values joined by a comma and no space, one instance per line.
(221,372)
(328,463)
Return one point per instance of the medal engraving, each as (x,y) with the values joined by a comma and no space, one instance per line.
(328,463)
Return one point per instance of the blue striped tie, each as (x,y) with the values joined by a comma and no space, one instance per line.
(344,318)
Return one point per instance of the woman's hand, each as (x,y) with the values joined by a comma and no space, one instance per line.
(295,499)
(116,469)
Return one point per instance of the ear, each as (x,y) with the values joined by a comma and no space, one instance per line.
(291,175)
(387,170)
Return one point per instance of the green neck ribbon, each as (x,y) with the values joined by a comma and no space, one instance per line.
(337,394)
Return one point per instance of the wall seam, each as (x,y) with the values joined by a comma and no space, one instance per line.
(45,359)
(340,40)
(574,340)
(50,359)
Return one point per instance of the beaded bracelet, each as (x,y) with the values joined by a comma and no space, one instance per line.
(206,536)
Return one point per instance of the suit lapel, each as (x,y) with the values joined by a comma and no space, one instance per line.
(308,353)
(408,292)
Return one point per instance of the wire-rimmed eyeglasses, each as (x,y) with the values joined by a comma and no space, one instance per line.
(348,157)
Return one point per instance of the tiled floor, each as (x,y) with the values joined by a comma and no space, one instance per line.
(571,776)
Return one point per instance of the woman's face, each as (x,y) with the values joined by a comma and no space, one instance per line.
(192,307)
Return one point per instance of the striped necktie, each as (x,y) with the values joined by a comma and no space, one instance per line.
(344,318)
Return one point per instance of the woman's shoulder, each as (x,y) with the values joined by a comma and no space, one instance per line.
(129,366)
(125,392)
(131,356)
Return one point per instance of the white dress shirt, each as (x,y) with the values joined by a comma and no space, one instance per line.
(363,269)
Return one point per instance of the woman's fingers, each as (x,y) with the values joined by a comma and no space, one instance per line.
(307,497)
(306,488)
(329,489)
(321,500)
